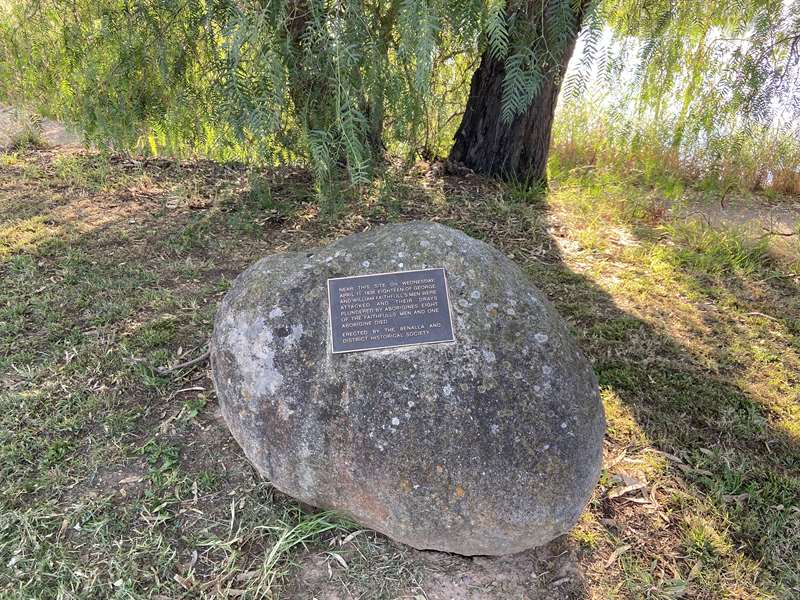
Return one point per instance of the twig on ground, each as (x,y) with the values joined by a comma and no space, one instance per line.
(755,313)
(196,388)
(189,363)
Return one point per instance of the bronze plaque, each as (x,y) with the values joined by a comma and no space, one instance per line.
(386,310)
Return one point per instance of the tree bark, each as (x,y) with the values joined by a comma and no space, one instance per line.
(518,150)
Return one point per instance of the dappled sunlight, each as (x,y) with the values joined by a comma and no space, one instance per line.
(714,316)
(25,235)
(695,347)
(76,207)
(692,340)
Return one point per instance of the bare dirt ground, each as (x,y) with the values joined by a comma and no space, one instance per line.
(775,220)
(12,122)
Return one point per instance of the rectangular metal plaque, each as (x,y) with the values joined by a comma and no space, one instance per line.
(387,310)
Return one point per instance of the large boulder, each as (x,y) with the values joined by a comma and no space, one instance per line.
(487,445)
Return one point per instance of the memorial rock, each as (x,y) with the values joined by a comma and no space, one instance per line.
(444,404)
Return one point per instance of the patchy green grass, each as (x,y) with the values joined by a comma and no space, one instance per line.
(118,482)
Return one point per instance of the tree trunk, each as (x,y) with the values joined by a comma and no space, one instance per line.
(518,150)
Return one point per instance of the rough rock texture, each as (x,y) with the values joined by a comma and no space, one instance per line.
(489,445)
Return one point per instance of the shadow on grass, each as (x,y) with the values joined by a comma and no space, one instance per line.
(721,512)
(725,503)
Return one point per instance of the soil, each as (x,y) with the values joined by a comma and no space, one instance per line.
(759,217)
(12,122)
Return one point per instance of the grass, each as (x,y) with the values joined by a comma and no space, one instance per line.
(589,133)
(28,136)
(116,482)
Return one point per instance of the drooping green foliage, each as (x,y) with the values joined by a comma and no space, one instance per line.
(337,84)
(120,70)
(711,59)
(274,81)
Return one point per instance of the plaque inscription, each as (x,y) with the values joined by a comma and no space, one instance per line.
(387,310)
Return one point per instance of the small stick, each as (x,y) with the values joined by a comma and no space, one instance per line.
(760,314)
(189,363)
(188,389)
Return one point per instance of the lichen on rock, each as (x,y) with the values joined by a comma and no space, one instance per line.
(488,445)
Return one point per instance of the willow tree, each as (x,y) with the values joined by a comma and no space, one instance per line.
(506,127)
(337,84)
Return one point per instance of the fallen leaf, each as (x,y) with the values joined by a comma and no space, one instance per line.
(338,557)
(615,461)
(638,500)
(132,479)
(739,498)
(676,588)
(621,491)
(628,480)
(617,553)
(352,536)
(666,455)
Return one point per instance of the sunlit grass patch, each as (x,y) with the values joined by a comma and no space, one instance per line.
(588,532)
(703,542)
(715,252)
(9,159)
(712,347)
(24,235)
(620,421)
